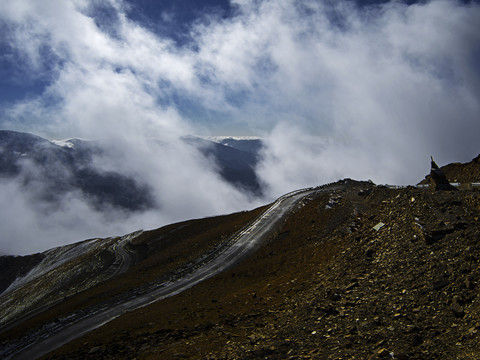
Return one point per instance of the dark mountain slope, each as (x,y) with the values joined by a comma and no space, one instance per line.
(236,163)
(249,145)
(364,273)
(16,266)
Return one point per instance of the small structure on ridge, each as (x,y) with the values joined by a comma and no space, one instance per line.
(438,178)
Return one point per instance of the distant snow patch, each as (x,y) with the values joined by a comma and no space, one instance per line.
(64,143)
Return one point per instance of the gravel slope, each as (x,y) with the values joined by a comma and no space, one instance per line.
(328,286)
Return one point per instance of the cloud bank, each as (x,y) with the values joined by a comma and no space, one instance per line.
(336,90)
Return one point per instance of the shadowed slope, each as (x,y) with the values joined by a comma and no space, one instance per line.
(327,285)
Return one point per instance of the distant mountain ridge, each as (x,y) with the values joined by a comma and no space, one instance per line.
(54,170)
(250,144)
(56,167)
(235,157)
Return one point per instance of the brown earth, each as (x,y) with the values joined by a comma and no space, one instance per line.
(354,274)
(365,272)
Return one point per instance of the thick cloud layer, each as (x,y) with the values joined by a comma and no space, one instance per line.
(336,91)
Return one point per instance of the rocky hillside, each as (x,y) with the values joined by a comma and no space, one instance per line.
(375,273)
(461,173)
(363,272)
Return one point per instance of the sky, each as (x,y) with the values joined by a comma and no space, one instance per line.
(358,89)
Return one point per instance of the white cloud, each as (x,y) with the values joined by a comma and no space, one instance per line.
(338,91)
(371,93)
(30,226)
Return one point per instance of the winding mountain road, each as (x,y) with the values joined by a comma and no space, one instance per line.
(53,336)
(125,257)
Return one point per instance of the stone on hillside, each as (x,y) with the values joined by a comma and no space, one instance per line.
(457,309)
(378,226)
